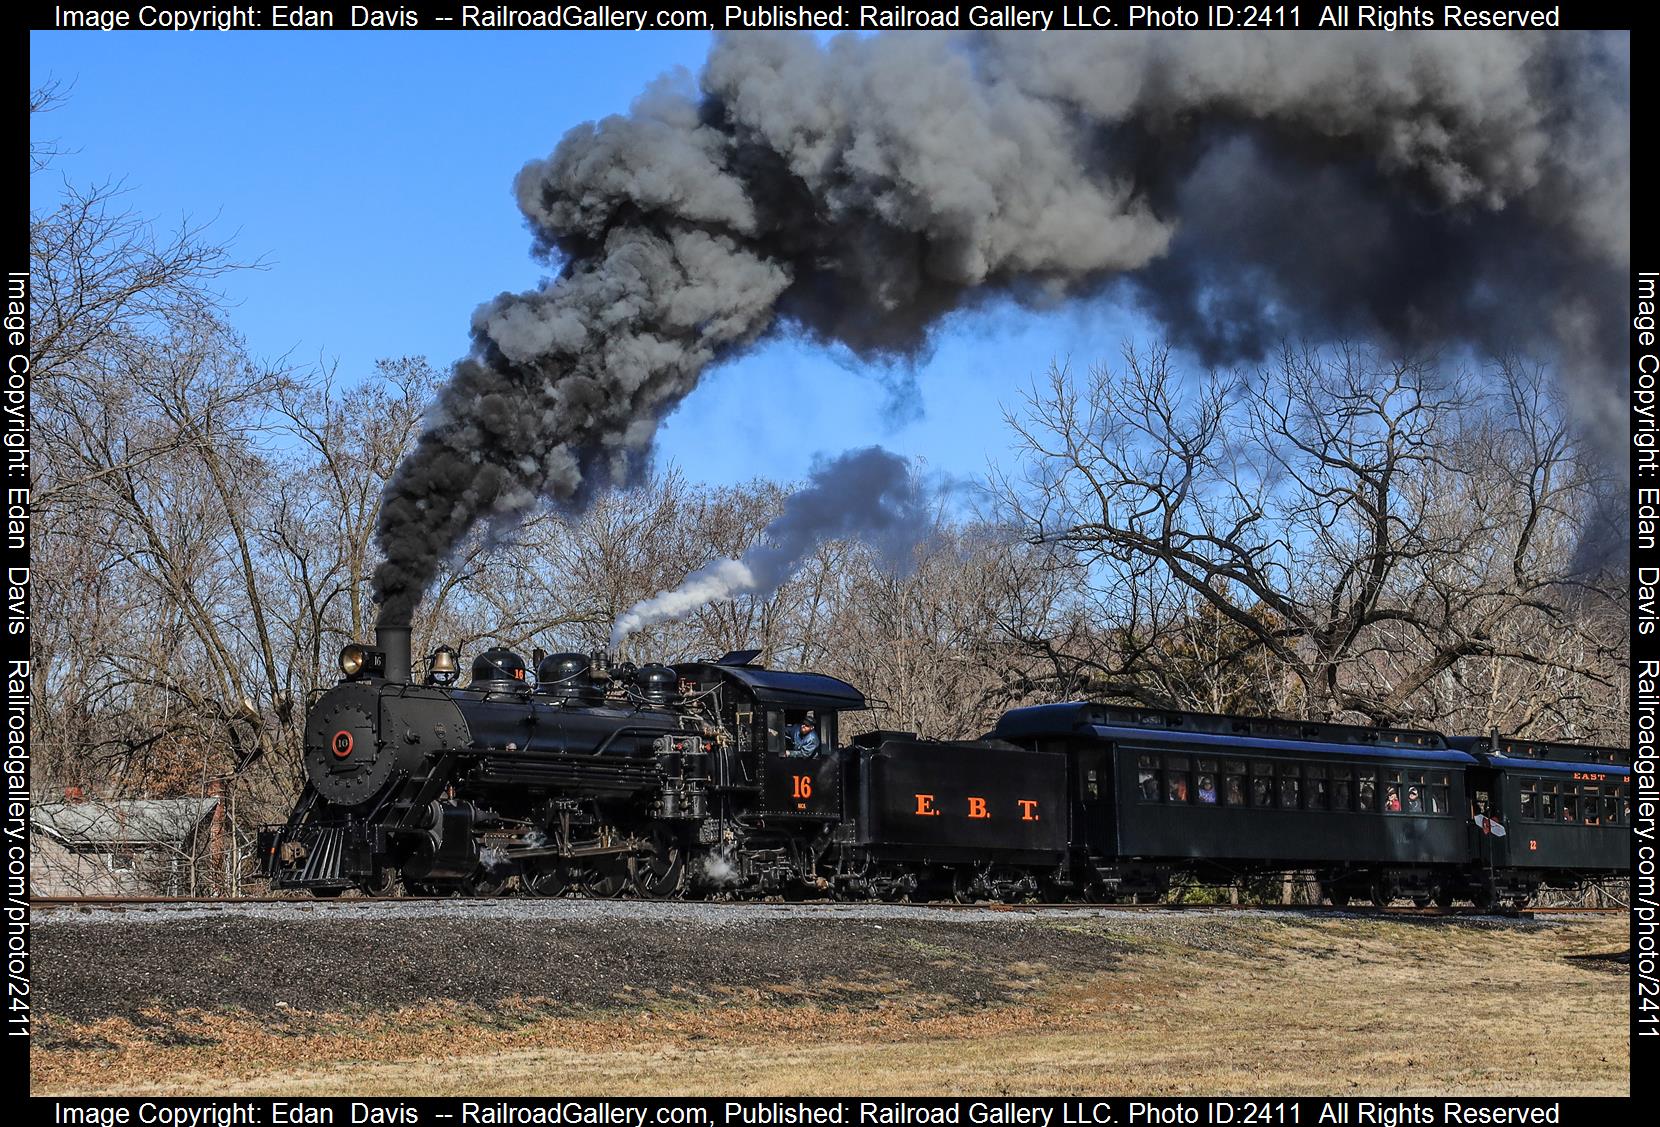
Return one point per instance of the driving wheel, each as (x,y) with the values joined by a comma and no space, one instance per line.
(608,877)
(551,878)
(662,872)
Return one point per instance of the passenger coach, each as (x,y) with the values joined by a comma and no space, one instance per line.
(1375,812)
(1563,812)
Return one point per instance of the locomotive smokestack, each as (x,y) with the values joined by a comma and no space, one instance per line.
(394,641)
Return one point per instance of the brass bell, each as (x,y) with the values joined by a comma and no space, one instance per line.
(443,667)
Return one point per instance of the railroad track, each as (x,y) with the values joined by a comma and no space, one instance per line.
(119,903)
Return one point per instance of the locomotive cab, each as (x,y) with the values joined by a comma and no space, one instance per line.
(786,752)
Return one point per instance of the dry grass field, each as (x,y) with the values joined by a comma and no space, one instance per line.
(1246,1003)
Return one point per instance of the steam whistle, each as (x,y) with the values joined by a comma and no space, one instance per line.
(603,667)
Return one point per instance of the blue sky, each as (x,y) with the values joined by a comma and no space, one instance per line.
(372,173)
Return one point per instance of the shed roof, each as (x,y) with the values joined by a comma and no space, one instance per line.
(140,821)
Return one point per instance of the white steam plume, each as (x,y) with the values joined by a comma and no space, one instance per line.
(865,494)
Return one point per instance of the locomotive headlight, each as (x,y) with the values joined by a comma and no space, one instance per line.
(352,660)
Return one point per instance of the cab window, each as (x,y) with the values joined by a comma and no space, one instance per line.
(800,732)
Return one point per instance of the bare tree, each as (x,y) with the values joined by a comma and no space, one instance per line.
(318,532)
(148,628)
(1341,534)
(933,645)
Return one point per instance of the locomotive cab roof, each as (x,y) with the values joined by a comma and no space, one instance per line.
(772,686)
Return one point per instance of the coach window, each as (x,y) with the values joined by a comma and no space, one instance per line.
(1611,805)
(1234,792)
(1262,784)
(1319,798)
(1530,799)
(1590,805)
(1178,780)
(1342,789)
(1440,793)
(1570,803)
(1415,797)
(1290,785)
(1207,786)
(1547,801)
(1147,777)
(1366,790)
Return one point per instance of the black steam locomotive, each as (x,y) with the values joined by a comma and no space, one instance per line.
(725,777)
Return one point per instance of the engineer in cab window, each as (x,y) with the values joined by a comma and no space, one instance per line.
(804,737)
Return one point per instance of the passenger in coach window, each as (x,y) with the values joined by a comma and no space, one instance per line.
(1149,782)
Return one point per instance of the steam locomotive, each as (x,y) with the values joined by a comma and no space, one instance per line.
(609,779)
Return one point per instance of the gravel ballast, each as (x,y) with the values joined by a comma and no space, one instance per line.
(93,963)
(577,955)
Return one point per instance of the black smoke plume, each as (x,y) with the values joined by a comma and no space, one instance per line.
(1416,189)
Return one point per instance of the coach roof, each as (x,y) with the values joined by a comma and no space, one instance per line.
(1059,719)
